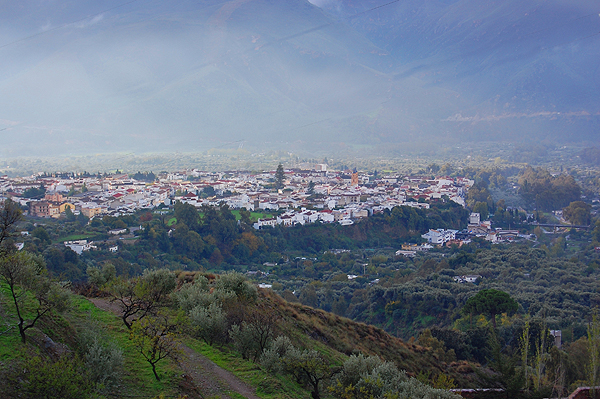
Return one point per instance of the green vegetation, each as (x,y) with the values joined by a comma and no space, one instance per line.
(254,216)
(36,193)
(491,302)
(268,386)
(548,282)
(31,293)
(578,213)
(279,177)
(548,192)
(102,358)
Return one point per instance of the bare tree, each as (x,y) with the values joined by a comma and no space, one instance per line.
(142,296)
(156,339)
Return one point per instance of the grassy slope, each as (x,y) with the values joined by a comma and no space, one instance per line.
(137,378)
(344,336)
(333,336)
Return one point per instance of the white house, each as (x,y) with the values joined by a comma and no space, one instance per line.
(326,217)
(408,254)
(79,246)
(440,236)
(265,222)
(286,220)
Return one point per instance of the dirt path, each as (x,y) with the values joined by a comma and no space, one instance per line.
(212,380)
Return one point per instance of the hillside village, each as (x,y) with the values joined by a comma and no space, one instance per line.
(305,196)
(120,193)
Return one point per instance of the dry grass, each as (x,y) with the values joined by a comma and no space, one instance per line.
(340,336)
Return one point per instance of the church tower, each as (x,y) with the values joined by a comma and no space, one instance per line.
(354,179)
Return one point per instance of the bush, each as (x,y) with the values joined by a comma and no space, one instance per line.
(244,340)
(271,358)
(236,282)
(210,323)
(371,377)
(99,277)
(37,377)
(103,359)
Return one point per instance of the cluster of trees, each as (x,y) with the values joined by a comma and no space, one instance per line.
(495,177)
(207,238)
(213,236)
(358,377)
(412,294)
(546,192)
(591,155)
(35,193)
(389,228)
(146,176)
(508,217)
(578,213)
(523,355)
(480,199)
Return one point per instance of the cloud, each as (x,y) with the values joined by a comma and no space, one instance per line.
(325,3)
(90,22)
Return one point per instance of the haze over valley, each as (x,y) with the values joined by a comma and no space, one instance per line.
(150,76)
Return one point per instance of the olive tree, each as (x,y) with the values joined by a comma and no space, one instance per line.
(371,377)
(10,214)
(210,323)
(255,334)
(142,296)
(156,338)
(102,357)
(32,292)
(309,367)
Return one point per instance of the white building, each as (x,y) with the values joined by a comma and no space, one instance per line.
(79,246)
(439,237)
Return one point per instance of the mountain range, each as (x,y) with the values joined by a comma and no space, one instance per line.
(151,76)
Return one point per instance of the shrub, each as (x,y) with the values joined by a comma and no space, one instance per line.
(37,377)
(102,358)
(236,282)
(210,323)
(371,377)
(271,358)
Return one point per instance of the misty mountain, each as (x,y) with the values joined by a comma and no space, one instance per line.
(530,59)
(189,76)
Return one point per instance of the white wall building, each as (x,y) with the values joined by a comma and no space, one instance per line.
(439,237)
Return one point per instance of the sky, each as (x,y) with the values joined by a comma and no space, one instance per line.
(151,76)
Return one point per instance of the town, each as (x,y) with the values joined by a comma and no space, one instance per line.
(353,196)
(299,197)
